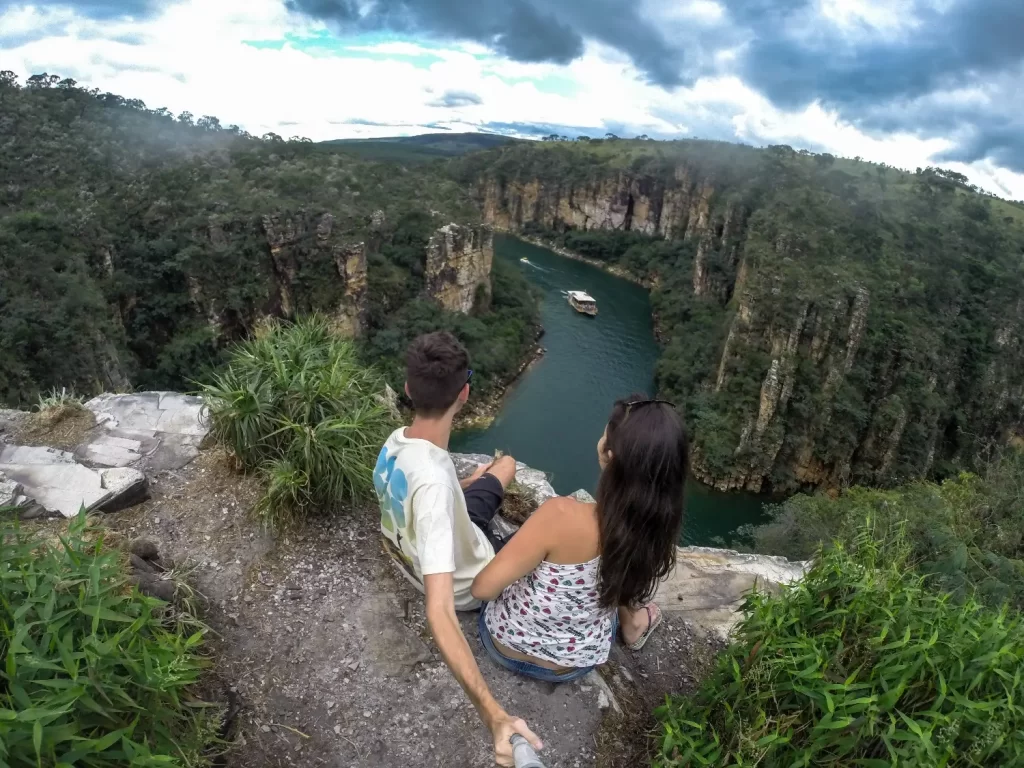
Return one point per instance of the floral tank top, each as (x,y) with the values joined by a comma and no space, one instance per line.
(554,613)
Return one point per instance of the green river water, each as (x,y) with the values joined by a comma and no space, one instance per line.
(553,416)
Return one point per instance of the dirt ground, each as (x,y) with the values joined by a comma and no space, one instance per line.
(326,649)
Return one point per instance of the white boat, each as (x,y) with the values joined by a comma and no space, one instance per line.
(582,302)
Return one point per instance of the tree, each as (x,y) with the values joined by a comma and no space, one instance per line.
(824,160)
(186,118)
(208,122)
(42,81)
(8,79)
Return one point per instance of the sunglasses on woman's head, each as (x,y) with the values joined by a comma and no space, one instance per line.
(636,403)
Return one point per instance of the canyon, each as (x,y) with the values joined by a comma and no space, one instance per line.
(841,340)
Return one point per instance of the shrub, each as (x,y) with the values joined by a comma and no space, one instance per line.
(90,675)
(858,665)
(967,533)
(296,405)
(59,398)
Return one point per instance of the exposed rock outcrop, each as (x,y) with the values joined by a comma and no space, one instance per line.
(298,241)
(620,200)
(458,267)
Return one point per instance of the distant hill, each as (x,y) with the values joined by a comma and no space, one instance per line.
(422,148)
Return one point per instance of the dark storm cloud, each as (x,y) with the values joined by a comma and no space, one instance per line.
(884,83)
(452,99)
(525,30)
(944,48)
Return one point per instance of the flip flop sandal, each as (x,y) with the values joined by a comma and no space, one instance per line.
(653,622)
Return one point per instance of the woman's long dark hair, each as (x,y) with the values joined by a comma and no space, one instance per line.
(640,499)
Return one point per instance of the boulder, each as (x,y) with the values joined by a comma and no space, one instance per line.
(533,483)
(144,548)
(53,480)
(151,431)
(708,586)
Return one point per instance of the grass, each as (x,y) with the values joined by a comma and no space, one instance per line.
(61,421)
(860,664)
(59,398)
(296,406)
(92,675)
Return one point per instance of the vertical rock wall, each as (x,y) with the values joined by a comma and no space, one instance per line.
(300,241)
(458,267)
(831,407)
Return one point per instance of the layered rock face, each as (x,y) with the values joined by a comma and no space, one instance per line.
(820,368)
(458,267)
(674,208)
(298,263)
(296,239)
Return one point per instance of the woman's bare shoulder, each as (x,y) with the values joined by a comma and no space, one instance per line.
(563,505)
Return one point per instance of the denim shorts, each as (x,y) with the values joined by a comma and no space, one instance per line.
(526,668)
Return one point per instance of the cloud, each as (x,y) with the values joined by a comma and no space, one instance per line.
(524,30)
(882,79)
(536,130)
(95,9)
(943,48)
(451,99)
(255,63)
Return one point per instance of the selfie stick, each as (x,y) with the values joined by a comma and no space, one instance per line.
(523,753)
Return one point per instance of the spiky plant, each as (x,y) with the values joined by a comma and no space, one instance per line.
(295,404)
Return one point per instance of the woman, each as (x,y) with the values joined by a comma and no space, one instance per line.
(575,571)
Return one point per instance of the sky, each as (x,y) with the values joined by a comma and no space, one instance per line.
(910,83)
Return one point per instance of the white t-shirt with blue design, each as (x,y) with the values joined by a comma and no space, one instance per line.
(423,516)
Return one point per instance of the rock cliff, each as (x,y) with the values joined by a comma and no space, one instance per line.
(676,207)
(458,267)
(295,241)
(835,337)
(280,265)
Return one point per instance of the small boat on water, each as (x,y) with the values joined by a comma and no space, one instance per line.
(582,302)
(525,260)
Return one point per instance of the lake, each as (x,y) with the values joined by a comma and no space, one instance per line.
(555,413)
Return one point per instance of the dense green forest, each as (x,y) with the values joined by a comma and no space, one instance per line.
(825,321)
(134,244)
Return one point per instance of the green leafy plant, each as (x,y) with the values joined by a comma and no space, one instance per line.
(860,664)
(91,676)
(966,534)
(296,405)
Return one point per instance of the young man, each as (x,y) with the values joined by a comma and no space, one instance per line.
(435,527)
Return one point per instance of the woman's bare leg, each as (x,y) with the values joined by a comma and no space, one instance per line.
(634,622)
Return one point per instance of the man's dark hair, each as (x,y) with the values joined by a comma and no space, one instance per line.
(436,370)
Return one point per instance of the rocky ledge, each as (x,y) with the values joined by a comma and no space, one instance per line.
(320,641)
(707,585)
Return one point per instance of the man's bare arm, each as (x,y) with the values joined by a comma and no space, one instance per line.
(447,632)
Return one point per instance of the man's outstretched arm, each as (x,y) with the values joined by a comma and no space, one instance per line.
(447,632)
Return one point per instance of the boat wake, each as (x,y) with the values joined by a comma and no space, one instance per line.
(531,264)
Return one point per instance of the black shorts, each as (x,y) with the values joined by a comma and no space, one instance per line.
(483,500)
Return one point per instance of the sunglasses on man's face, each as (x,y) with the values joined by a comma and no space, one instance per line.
(470,376)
